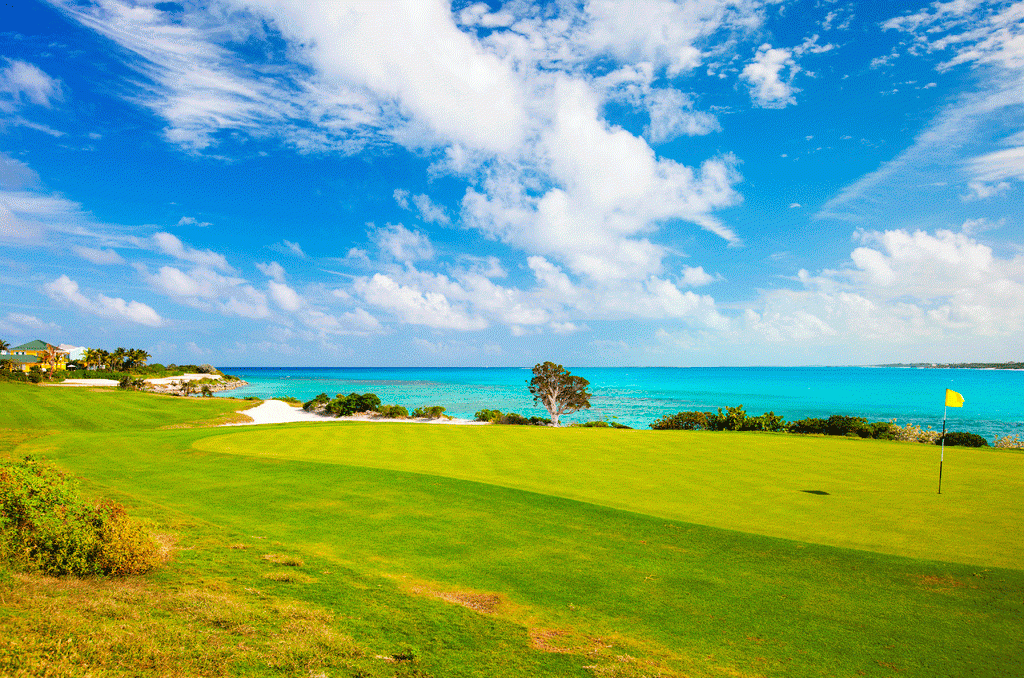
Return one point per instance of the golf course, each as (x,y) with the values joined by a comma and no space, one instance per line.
(360,549)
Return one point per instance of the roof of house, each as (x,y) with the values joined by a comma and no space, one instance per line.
(37,345)
(26,359)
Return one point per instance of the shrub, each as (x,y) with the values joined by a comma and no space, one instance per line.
(599,424)
(962,439)
(842,425)
(317,402)
(291,400)
(488,415)
(912,433)
(45,526)
(769,421)
(1009,442)
(809,425)
(393,412)
(428,412)
(206,368)
(343,406)
(682,421)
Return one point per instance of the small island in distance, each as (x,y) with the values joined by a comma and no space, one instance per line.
(1012,365)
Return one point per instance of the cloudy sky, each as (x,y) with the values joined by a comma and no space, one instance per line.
(420,182)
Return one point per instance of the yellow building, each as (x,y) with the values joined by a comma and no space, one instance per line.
(27,355)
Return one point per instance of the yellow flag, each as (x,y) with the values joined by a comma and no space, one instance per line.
(954,399)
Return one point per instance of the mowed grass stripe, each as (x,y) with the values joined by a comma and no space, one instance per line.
(698,600)
(24,406)
(882,496)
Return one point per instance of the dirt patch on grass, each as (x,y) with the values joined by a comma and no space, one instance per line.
(486,603)
(940,584)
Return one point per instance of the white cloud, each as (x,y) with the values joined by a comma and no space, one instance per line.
(413,306)
(289,247)
(273,270)
(192,221)
(23,83)
(285,297)
(66,290)
(672,116)
(990,172)
(429,211)
(511,109)
(98,256)
(172,246)
(903,288)
(21,324)
(402,244)
(208,290)
(768,87)
(975,33)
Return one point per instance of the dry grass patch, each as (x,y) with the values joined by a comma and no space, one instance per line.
(78,628)
(282,559)
(290,577)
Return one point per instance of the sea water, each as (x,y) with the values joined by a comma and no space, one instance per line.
(636,396)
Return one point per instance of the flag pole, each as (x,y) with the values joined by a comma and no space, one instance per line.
(942,454)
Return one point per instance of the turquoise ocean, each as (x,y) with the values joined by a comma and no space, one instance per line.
(636,396)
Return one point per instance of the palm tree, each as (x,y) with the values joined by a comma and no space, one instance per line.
(138,357)
(90,357)
(187,388)
(49,357)
(102,358)
(6,365)
(118,359)
(4,346)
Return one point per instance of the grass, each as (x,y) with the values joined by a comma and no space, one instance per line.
(866,494)
(408,550)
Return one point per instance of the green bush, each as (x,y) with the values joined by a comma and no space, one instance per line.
(809,425)
(393,412)
(344,406)
(488,415)
(321,399)
(599,424)
(45,526)
(962,439)
(428,412)
(291,400)
(683,421)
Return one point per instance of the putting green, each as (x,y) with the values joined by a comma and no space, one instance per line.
(873,495)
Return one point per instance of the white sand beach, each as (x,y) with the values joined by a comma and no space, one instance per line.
(280,412)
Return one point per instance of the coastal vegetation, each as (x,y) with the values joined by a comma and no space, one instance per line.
(368,550)
(1011,365)
(736,419)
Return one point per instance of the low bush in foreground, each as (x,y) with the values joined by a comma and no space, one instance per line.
(599,424)
(428,412)
(393,412)
(46,526)
(962,439)
(510,419)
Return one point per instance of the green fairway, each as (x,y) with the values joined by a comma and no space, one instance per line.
(580,552)
(64,408)
(881,496)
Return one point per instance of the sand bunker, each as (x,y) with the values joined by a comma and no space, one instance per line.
(280,412)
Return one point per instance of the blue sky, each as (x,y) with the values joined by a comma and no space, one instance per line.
(276,182)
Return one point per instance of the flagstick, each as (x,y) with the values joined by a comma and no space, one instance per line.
(943,452)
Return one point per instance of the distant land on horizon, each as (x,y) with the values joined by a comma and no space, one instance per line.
(1012,365)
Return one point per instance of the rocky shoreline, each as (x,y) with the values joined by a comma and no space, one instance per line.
(174,387)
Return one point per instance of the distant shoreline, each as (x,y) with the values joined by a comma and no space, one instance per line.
(1011,366)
